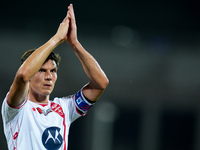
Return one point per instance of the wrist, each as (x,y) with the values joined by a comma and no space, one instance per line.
(75,44)
(55,41)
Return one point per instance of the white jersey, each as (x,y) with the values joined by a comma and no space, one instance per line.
(34,126)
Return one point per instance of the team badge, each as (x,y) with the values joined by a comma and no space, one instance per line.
(52,139)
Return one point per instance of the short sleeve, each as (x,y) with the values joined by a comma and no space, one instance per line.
(8,112)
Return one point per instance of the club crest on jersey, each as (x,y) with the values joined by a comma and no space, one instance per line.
(52,139)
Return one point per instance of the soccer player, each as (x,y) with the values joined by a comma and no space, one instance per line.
(33,122)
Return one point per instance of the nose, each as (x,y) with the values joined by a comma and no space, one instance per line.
(48,76)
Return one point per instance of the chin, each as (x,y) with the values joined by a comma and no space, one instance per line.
(46,93)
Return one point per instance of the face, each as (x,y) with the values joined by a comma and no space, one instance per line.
(42,83)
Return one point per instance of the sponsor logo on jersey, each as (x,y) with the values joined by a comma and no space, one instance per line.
(52,139)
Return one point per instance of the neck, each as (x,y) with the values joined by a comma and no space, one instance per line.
(37,98)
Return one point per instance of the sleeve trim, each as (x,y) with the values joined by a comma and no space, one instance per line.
(18,107)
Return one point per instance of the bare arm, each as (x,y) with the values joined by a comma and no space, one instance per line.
(19,88)
(97,78)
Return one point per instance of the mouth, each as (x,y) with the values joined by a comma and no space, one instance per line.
(47,85)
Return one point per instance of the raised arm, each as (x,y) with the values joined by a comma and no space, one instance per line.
(19,88)
(97,78)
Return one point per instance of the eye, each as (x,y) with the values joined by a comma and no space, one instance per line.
(42,70)
(54,70)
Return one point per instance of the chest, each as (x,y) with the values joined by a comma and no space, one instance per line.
(44,116)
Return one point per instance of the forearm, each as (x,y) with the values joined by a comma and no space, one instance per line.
(91,67)
(37,58)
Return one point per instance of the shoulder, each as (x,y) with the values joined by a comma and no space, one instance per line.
(61,99)
(66,101)
(9,112)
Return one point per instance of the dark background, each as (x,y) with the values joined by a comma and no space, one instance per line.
(150,51)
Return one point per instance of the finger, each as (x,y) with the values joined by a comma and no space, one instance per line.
(71,12)
(66,18)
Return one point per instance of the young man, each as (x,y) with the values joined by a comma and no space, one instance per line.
(31,121)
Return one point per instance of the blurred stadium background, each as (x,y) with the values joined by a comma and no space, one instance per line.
(150,51)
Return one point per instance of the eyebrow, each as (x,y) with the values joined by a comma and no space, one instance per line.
(55,68)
